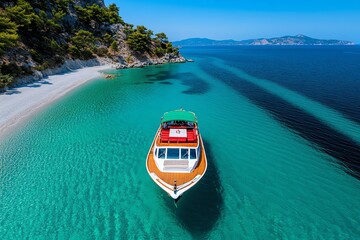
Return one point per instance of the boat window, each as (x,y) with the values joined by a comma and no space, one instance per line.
(173,153)
(192,153)
(184,153)
(162,152)
(155,152)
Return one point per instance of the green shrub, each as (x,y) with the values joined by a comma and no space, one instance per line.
(171,49)
(160,51)
(74,51)
(107,39)
(138,42)
(82,45)
(59,59)
(55,47)
(128,59)
(36,56)
(52,24)
(11,69)
(102,51)
(86,54)
(176,51)
(21,13)
(8,33)
(140,39)
(114,46)
(83,39)
(63,5)
(99,14)
(128,29)
(43,66)
(162,37)
(5,80)
(113,14)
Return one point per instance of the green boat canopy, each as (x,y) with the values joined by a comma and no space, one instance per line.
(179,115)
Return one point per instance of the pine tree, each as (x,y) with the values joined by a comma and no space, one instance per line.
(8,32)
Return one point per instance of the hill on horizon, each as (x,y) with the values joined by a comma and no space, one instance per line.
(299,39)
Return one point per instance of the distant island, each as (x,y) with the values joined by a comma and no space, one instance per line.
(299,39)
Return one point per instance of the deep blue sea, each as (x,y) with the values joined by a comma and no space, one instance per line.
(281,127)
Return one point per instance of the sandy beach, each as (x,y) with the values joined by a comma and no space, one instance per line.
(21,102)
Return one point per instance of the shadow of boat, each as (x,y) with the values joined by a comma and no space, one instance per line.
(199,209)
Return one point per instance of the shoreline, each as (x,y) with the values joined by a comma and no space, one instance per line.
(17,104)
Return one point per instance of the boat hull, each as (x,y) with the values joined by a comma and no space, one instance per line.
(185,181)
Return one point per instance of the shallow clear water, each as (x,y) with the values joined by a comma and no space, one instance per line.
(280,137)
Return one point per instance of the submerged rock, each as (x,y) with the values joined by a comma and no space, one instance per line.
(109,76)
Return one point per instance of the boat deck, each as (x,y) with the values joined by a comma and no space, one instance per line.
(178,134)
(181,178)
(159,142)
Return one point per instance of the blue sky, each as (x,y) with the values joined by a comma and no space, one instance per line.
(244,19)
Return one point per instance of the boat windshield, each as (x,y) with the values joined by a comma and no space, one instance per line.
(176,153)
(172,153)
(192,153)
(184,153)
(162,152)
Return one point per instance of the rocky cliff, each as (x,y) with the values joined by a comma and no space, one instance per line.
(38,38)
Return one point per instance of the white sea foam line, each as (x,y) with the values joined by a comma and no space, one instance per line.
(327,115)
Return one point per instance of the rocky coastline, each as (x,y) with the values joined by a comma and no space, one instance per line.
(84,34)
(168,58)
(72,65)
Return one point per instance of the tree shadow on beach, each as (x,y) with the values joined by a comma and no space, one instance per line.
(33,85)
(10,92)
(38,84)
(199,209)
(45,82)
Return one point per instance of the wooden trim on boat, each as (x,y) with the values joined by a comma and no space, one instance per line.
(183,180)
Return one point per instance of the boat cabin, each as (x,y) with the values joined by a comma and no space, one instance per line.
(176,159)
(177,147)
(179,127)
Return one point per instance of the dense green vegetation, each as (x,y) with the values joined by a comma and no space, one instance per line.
(8,32)
(141,39)
(95,13)
(47,33)
(82,44)
(5,80)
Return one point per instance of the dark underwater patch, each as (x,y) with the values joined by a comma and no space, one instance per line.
(195,85)
(307,126)
(200,208)
(160,76)
(324,74)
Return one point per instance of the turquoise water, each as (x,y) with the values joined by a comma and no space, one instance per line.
(76,170)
